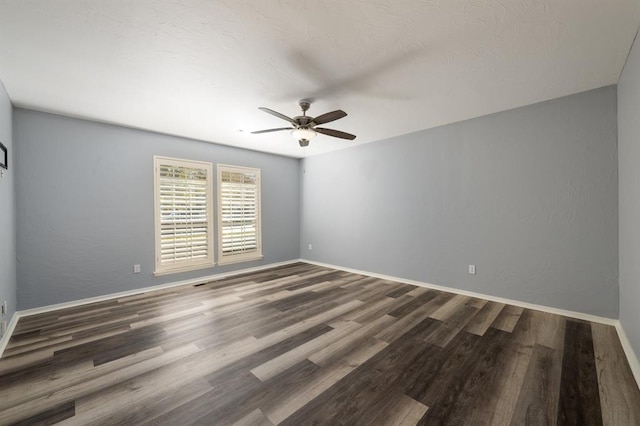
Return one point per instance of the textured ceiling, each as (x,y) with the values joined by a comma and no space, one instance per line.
(200,69)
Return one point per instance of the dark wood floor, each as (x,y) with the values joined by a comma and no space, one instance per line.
(303,344)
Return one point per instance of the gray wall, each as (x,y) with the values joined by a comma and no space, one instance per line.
(7,210)
(85,206)
(528,195)
(629,197)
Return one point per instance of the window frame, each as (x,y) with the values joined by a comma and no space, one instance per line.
(209,261)
(239,257)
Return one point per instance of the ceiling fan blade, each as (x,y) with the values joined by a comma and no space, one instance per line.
(335,133)
(330,116)
(271,130)
(277,114)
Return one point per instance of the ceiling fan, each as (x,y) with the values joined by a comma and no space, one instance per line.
(303,127)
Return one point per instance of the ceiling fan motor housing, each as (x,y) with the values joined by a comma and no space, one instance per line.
(303,120)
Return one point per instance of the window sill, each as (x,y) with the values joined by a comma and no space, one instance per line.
(231,260)
(183,269)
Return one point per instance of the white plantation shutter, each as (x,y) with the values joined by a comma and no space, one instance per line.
(239,236)
(184,232)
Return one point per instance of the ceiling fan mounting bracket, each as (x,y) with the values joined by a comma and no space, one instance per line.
(304,105)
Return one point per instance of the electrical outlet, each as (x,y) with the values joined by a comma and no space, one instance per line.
(472,269)
(310,247)
(136,269)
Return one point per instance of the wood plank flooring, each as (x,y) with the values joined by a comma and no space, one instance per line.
(303,344)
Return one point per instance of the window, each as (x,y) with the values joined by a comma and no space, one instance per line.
(183,215)
(239,237)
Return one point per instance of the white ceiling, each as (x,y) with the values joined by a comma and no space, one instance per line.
(201,68)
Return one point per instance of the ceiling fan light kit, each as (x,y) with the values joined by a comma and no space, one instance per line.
(303,128)
(303,134)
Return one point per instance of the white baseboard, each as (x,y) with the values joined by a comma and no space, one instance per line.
(543,308)
(8,332)
(43,309)
(632,357)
